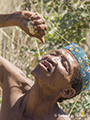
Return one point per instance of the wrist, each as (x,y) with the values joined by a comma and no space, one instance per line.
(15,18)
(21,17)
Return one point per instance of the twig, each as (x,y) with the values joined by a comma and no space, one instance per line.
(74,104)
(7,36)
(59,33)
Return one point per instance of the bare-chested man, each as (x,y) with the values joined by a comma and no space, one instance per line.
(57,77)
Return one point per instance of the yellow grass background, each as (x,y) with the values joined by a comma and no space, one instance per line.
(12,39)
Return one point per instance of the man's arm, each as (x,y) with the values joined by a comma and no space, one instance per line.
(7,20)
(7,71)
(14,84)
(21,19)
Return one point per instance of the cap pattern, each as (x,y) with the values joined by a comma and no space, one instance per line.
(83,63)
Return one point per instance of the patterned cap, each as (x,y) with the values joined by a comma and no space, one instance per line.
(83,63)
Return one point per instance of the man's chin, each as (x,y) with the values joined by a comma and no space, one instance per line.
(34,71)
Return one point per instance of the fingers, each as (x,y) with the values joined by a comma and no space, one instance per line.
(36,16)
(31,15)
(27,14)
(40,27)
(40,32)
(39,21)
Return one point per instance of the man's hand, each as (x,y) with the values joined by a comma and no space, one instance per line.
(37,22)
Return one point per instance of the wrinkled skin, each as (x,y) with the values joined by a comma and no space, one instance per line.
(59,67)
(23,101)
(22,98)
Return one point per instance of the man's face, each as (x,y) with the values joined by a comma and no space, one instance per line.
(56,69)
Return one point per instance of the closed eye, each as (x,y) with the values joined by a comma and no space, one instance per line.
(55,53)
(65,64)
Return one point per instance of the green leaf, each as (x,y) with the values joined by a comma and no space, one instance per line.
(0,99)
(75,1)
(34,2)
(64,8)
(83,40)
(36,55)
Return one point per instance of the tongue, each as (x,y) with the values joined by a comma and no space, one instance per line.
(46,65)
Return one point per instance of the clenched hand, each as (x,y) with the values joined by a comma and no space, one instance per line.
(36,21)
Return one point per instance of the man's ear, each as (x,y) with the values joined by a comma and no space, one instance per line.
(68,92)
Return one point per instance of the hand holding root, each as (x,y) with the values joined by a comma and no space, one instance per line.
(37,26)
(32,23)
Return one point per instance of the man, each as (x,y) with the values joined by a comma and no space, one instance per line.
(55,77)
(15,84)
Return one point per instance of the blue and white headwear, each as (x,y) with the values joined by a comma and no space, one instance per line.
(83,63)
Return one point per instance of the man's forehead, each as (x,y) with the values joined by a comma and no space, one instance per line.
(82,59)
(66,53)
(63,51)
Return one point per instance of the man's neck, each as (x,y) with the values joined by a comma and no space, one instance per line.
(39,101)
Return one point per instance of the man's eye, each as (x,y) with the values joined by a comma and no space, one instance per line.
(53,53)
(65,64)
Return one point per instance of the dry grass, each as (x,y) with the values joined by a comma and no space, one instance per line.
(12,39)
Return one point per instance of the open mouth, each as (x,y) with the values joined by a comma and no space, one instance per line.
(46,65)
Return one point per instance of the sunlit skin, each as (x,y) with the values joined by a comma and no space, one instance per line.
(23,102)
(55,82)
(24,99)
(21,18)
(60,64)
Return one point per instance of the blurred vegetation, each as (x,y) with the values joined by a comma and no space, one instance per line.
(68,21)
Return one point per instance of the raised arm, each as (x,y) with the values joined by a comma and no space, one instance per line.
(21,19)
(9,74)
